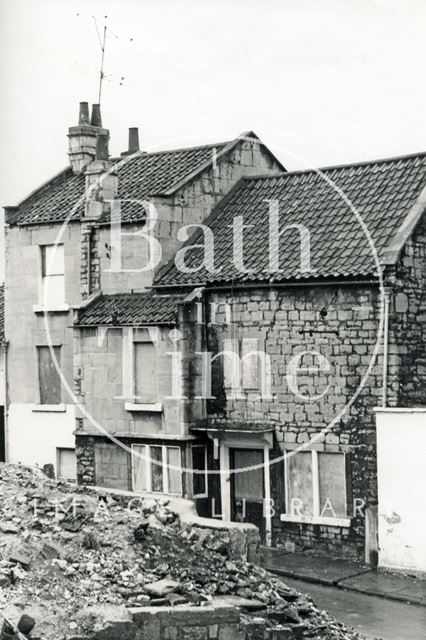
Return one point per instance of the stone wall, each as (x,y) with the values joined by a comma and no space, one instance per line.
(340,323)
(407,323)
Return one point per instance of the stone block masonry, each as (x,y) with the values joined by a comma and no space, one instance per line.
(341,324)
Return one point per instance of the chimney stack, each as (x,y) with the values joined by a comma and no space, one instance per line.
(83,117)
(96,120)
(102,152)
(133,142)
(82,137)
(133,139)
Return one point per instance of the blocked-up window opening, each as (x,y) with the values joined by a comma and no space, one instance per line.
(48,375)
(300,487)
(332,489)
(67,465)
(199,463)
(145,372)
(111,464)
(53,275)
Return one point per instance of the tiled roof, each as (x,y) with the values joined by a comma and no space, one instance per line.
(129,309)
(1,314)
(383,193)
(148,174)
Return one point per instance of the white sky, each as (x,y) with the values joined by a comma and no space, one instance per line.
(320,81)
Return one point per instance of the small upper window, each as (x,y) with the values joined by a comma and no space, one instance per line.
(145,372)
(52,275)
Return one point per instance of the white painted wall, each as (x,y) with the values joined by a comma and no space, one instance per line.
(33,436)
(401,463)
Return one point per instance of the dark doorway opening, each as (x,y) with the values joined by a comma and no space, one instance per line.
(248,487)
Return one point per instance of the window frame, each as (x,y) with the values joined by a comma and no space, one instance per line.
(316,517)
(164,467)
(56,306)
(206,475)
(236,346)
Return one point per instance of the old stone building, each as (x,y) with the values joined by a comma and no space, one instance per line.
(79,238)
(237,362)
(342,334)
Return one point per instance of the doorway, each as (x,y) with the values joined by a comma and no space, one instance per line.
(247,487)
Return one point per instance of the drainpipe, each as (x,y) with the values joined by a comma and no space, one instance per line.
(387,294)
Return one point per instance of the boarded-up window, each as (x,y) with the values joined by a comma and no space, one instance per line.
(111,463)
(67,466)
(48,375)
(157,468)
(52,275)
(300,486)
(316,484)
(145,372)
(199,464)
(332,485)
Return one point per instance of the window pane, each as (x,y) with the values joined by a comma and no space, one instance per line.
(174,475)
(53,290)
(145,372)
(156,463)
(248,484)
(231,364)
(300,489)
(250,363)
(332,484)
(48,376)
(52,260)
(199,464)
(139,468)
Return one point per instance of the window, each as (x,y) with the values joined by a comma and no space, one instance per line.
(157,469)
(67,466)
(48,377)
(199,464)
(315,484)
(52,276)
(145,372)
(243,371)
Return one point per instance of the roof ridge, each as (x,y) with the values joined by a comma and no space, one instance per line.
(347,165)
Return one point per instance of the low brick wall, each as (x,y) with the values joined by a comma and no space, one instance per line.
(180,623)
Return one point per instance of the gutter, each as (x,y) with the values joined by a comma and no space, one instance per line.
(265,285)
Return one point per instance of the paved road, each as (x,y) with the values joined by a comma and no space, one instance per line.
(371,616)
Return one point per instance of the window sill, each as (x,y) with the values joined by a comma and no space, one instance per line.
(59,308)
(49,408)
(331,522)
(156,407)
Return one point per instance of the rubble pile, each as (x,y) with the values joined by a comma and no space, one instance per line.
(65,548)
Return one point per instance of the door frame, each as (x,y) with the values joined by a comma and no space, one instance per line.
(225,480)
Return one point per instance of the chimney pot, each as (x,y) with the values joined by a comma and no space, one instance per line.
(96,120)
(83,117)
(133,139)
(102,152)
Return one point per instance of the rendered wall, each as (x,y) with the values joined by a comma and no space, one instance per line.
(401,469)
(34,436)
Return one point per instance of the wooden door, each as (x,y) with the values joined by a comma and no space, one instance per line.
(247,487)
